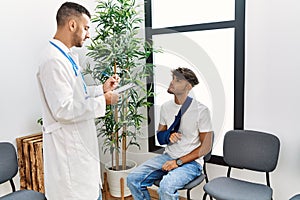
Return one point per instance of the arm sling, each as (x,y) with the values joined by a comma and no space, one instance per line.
(163,137)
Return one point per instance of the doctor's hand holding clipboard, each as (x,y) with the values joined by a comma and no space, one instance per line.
(110,84)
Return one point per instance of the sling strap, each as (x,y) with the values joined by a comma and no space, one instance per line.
(163,137)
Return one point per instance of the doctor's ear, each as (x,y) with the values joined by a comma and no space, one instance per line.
(72,25)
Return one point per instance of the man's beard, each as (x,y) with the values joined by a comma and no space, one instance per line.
(77,40)
(78,44)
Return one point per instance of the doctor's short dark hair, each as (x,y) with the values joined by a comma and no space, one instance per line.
(69,9)
(186,74)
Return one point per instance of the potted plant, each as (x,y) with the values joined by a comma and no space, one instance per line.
(118,49)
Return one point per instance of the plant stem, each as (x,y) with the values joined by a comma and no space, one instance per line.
(115,68)
(124,141)
(117,140)
(116,133)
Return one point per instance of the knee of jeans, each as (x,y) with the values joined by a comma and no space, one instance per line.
(131,179)
(164,187)
(164,191)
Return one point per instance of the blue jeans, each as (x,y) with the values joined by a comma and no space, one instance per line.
(145,175)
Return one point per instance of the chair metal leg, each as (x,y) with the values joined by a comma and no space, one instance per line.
(12,184)
(188,194)
(204,196)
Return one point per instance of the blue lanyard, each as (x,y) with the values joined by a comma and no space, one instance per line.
(74,66)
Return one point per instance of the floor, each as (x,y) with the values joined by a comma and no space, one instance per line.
(106,195)
(152,192)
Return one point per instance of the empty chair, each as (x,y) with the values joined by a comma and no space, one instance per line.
(251,150)
(8,170)
(296,197)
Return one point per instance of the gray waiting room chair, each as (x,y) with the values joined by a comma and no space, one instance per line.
(8,170)
(198,180)
(296,197)
(251,150)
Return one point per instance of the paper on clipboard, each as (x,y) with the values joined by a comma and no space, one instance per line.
(124,88)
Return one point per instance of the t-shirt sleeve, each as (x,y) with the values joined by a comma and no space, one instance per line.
(162,119)
(204,121)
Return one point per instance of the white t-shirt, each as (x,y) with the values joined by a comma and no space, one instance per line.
(196,119)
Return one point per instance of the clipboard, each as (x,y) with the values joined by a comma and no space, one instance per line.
(124,88)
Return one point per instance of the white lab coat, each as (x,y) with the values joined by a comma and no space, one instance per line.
(70,149)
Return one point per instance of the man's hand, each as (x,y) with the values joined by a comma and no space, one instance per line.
(169,165)
(175,137)
(111,83)
(111,98)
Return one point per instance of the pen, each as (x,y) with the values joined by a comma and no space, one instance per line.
(105,74)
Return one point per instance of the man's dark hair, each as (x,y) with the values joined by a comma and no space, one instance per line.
(70,9)
(186,74)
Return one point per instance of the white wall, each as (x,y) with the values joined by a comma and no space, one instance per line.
(272,83)
(272,67)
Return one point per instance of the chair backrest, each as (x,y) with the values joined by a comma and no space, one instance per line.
(8,162)
(252,150)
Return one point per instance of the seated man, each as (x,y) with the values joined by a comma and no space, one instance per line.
(188,139)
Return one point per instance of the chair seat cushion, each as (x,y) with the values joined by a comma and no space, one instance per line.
(296,197)
(194,182)
(232,189)
(24,195)
(190,185)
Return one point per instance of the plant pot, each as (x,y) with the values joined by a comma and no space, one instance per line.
(114,177)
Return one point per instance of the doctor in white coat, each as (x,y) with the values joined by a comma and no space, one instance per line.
(70,150)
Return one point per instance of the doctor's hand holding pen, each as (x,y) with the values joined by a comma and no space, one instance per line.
(110,84)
